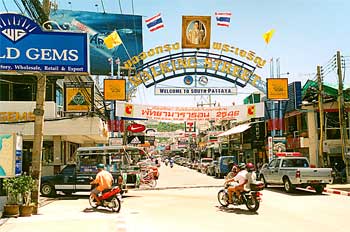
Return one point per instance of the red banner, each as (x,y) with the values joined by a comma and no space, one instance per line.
(116,125)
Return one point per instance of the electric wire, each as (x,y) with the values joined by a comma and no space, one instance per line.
(3,3)
(120,7)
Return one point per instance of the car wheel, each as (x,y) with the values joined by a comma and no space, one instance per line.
(287,185)
(47,189)
(319,189)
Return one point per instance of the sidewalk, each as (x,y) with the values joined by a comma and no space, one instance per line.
(341,189)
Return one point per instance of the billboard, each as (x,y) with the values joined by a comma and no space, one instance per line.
(277,88)
(25,47)
(114,89)
(10,155)
(98,26)
(78,97)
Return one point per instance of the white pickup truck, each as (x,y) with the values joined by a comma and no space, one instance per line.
(295,172)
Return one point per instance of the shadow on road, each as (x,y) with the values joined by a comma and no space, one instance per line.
(297,192)
(235,210)
(101,210)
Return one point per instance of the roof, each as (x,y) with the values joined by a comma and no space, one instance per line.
(310,91)
(236,130)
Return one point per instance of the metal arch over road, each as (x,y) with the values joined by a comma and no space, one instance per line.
(197,63)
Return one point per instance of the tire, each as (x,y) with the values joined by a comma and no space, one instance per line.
(116,205)
(152,183)
(262,178)
(319,189)
(92,202)
(47,190)
(287,185)
(252,203)
(223,198)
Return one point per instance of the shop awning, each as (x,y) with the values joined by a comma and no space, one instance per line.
(236,130)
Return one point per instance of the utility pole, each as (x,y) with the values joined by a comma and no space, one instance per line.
(38,127)
(320,107)
(38,136)
(343,134)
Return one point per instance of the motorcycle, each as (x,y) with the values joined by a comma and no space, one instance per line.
(250,198)
(171,164)
(109,198)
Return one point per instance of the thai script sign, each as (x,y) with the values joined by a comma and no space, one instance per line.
(78,96)
(238,113)
(25,47)
(195,91)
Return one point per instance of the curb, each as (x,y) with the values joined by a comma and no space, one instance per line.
(339,192)
(177,187)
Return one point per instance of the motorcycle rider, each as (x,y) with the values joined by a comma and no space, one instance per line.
(251,176)
(104,180)
(238,182)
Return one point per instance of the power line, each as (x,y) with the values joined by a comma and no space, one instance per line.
(120,7)
(3,3)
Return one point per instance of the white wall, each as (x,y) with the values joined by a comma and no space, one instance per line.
(28,106)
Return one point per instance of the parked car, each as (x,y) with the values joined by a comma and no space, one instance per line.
(211,168)
(293,170)
(194,164)
(224,165)
(203,164)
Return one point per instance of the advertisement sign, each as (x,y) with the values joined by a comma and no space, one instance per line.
(190,126)
(7,155)
(195,91)
(98,26)
(115,125)
(25,47)
(114,89)
(19,155)
(277,88)
(78,96)
(136,139)
(196,31)
(168,113)
(136,128)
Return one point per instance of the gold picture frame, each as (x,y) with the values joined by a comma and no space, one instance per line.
(196,31)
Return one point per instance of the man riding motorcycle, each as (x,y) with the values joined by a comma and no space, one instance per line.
(104,180)
(238,182)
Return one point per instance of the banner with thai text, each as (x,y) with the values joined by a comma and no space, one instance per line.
(166,113)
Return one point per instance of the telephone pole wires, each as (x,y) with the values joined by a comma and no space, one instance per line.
(320,107)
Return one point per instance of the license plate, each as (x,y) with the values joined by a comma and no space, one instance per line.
(314,181)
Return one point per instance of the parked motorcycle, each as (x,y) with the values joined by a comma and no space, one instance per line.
(250,198)
(110,198)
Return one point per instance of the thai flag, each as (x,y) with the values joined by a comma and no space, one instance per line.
(154,23)
(223,18)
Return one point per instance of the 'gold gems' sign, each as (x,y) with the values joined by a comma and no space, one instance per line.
(196,31)
(78,96)
(277,88)
(114,89)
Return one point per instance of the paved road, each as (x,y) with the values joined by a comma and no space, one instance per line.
(191,209)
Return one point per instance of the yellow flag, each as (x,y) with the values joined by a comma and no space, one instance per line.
(112,40)
(268,35)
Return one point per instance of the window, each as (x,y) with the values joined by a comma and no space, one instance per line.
(23,92)
(272,163)
(68,170)
(298,163)
(4,91)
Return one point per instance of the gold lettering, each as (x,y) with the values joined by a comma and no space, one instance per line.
(217,46)
(181,62)
(164,67)
(191,62)
(173,65)
(3,116)
(13,116)
(167,47)
(226,67)
(135,80)
(146,76)
(208,63)
(217,64)
(236,71)
(159,49)
(143,55)
(150,52)
(246,74)
(127,64)
(154,72)
(256,78)
(226,47)
(176,46)
(135,60)
(24,116)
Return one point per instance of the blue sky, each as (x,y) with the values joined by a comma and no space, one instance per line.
(308,33)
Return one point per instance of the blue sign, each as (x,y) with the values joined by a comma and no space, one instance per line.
(188,80)
(25,47)
(18,165)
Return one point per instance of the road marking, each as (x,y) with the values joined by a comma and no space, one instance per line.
(122,225)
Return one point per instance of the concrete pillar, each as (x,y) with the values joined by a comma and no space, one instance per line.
(313,136)
(57,152)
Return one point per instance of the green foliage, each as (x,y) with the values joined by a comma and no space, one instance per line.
(19,185)
(168,127)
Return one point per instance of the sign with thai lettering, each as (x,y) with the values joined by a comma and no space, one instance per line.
(195,91)
(25,47)
(238,113)
(78,96)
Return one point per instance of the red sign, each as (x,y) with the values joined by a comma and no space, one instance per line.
(116,125)
(135,128)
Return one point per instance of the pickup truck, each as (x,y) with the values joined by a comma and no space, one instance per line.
(71,180)
(295,172)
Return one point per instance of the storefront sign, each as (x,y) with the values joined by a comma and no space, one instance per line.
(16,116)
(195,91)
(25,47)
(78,96)
(114,89)
(277,88)
(238,113)
(136,128)
(136,139)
